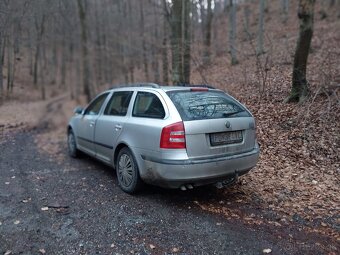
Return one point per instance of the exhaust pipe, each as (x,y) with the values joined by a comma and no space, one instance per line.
(189,186)
(186,187)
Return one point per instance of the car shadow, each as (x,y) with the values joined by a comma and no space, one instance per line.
(202,194)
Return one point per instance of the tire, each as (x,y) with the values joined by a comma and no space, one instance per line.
(72,145)
(127,172)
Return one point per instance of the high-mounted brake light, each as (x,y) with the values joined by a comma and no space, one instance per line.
(173,136)
(199,89)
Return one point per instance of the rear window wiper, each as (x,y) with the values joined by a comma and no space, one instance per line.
(227,114)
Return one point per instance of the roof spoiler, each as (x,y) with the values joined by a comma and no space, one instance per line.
(199,86)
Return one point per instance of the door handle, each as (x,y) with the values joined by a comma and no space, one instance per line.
(92,123)
(118,127)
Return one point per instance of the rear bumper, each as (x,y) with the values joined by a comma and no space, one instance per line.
(174,173)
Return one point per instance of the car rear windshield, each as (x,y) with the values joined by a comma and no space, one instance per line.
(199,105)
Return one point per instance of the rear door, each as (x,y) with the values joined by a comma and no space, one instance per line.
(111,123)
(215,124)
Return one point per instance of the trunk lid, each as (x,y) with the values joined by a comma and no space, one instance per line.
(215,123)
(213,137)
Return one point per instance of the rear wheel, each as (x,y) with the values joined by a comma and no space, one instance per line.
(72,144)
(128,172)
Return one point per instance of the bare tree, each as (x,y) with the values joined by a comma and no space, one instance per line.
(285,10)
(142,35)
(85,53)
(4,20)
(10,31)
(207,34)
(165,62)
(1,66)
(232,32)
(155,48)
(186,41)
(260,48)
(247,12)
(40,22)
(10,65)
(180,41)
(299,90)
(176,42)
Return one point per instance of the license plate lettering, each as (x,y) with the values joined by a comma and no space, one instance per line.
(226,138)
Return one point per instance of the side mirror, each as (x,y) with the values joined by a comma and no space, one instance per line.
(78,110)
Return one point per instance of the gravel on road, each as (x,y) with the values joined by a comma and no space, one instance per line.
(76,207)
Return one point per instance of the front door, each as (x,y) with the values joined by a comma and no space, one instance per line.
(87,124)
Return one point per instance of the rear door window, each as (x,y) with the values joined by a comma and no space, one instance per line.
(199,105)
(119,103)
(148,105)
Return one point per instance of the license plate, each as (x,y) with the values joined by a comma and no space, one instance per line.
(226,138)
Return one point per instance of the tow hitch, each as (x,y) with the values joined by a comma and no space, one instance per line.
(226,183)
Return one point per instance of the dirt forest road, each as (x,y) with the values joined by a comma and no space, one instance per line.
(74,206)
(77,208)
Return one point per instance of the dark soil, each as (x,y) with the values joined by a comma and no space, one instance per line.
(76,207)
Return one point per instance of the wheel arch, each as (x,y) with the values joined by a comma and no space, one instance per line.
(116,152)
(119,147)
(69,128)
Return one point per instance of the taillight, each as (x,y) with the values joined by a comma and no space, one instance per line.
(173,136)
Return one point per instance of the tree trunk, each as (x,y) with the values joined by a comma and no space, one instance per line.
(35,65)
(232,32)
(155,48)
(130,49)
(176,42)
(247,13)
(1,66)
(10,66)
(207,35)
(30,56)
(260,50)
(40,29)
(63,63)
(42,85)
(285,9)
(99,56)
(299,89)
(186,41)
(85,54)
(165,62)
(54,68)
(142,36)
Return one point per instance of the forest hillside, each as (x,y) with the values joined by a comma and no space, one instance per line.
(59,54)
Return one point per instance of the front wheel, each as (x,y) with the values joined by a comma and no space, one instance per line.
(127,172)
(72,145)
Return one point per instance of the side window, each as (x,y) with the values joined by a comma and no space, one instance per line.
(148,105)
(94,107)
(118,103)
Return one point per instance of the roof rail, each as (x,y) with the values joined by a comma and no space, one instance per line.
(200,86)
(146,84)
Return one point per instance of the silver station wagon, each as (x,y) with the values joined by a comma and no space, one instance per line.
(174,137)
